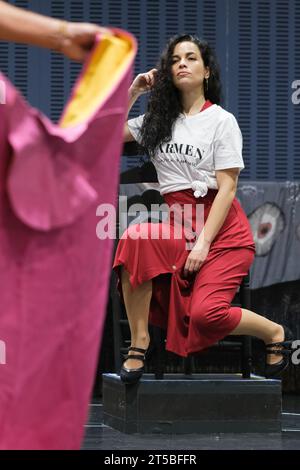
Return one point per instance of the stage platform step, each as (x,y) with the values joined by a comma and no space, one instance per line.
(198,403)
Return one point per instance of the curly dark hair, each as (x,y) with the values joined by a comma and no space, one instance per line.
(164,105)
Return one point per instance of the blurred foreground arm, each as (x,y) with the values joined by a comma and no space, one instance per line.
(72,39)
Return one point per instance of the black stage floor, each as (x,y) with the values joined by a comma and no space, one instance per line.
(99,436)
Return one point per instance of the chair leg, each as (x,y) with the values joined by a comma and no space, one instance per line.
(188,365)
(159,361)
(116,309)
(246,357)
(247,340)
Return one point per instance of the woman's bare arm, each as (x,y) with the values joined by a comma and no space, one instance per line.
(141,84)
(133,95)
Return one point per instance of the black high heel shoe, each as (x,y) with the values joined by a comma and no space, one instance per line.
(132,376)
(274,370)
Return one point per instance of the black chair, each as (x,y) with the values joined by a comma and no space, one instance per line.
(146,173)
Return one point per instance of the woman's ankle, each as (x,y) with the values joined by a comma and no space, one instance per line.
(277,335)
(141,341)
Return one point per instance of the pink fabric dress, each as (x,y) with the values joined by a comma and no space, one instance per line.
(54,270)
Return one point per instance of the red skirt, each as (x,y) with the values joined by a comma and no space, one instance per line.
(196,311)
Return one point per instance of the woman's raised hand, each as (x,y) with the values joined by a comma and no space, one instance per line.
(143,82)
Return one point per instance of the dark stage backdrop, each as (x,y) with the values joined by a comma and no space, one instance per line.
(257,42)
(258,45)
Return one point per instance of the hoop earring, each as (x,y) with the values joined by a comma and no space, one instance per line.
(206,81)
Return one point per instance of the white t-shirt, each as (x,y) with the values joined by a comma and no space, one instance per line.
(207,141)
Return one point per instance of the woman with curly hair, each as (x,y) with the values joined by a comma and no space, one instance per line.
(184,283)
